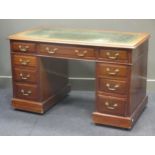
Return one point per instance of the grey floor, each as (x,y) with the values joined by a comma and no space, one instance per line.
(71,117)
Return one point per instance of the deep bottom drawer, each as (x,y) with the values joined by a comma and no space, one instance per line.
(26,91)
(111,105)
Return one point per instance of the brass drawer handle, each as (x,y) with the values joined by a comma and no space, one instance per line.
(28,93)
(80,54)
(112,57)
(24,62)
(112,73)
(23,48)
(112,88)
(111,106)
(24,77)
(51,51)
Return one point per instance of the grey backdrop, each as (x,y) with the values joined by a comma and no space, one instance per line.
(79,71)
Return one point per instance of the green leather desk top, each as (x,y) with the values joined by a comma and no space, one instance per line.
(82,37)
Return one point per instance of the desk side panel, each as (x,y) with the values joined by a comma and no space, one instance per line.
(138,80)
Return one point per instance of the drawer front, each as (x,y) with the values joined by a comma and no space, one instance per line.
(26,91)
(64,51)
(112,71)
(23,47)
(29,61)
(114,55)
(113,86)
(111,105)
(23,75)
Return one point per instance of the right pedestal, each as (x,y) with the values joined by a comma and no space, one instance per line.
(121,76)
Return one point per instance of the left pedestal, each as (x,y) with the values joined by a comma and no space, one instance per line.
(38,83)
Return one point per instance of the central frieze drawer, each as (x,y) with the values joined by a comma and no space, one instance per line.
(66,51)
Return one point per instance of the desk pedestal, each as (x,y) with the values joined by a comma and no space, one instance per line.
(40,84)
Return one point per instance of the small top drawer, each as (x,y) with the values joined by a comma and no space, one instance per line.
(114,55)
(66,51)
(112,71)
(23,47)
(29,61)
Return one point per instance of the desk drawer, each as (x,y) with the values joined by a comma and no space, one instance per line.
(26,91)
(66,51)
(29,61)
(113,86)
(24,75)
(111,105)
(24,47)
(114,55)
(112,71)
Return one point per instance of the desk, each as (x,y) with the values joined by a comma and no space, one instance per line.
(40,70)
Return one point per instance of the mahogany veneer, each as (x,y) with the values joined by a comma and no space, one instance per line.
(40,78)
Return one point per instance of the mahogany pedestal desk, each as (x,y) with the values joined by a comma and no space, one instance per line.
(40,72)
